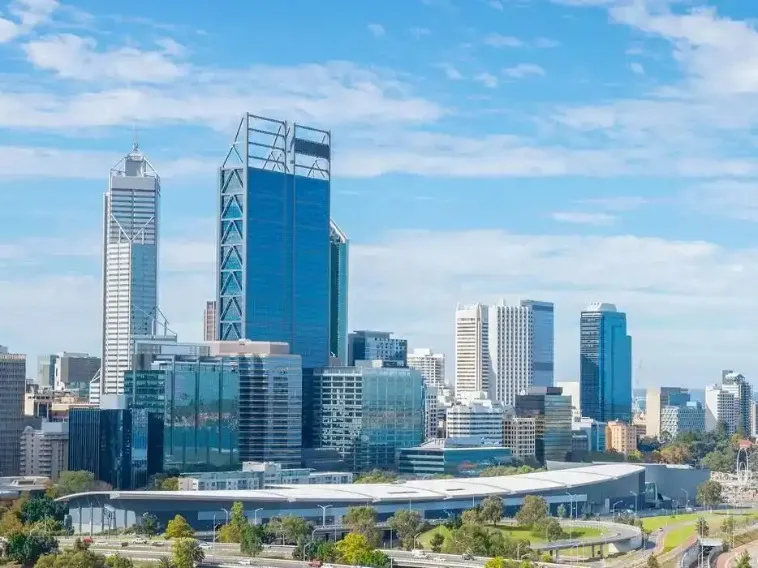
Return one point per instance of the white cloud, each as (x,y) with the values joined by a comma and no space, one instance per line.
(73,57)
(524,70)
(619,203)
(498,40)
(637,68)
(377,30)
(496,4)
(583,218)
(452,73)
(486,79)
(546,43)
(29,13)
(727,198)
(420,32)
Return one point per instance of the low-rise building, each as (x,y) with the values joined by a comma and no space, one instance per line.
(588,435)
(519,435)
(459,457)
(620,437)
(259,475)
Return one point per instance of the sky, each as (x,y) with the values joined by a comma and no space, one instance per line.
(572,151)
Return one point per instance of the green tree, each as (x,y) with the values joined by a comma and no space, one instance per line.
(492,509)
(186,552)
(709,494)
(169,484)
(26,549)
(473,539)
(374,559)
(702,527)
(118,561)
(652,562)
(407,524)
(351,548)
(229,533)
(744,560)
(561,511)
(178,527)
(472,516)
(296,529)
(727,528)
(72,559)
(438,539)
(362,520)
(548,528)
(376,476)
(532,511)
(10,523)
(165,563)
(496,562)
(635,456)
(325,551)
(71,482)
(148,525)
(251,539)
(42,507)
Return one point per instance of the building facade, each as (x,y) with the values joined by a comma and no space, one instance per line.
(367,413)
(12,388)
(721,407)
(441,457)
(520,436)
(44,451)
(591,432)
(742,391)
(620,437)
(259,476)
(478,417)
(677,420)
(273,249)
(130,261)
(605,364)
(552,413)
(210,321)
(431,365)
(573,390)
(338,287)
(656,400)
(72,372)
(472,362)
(377,346)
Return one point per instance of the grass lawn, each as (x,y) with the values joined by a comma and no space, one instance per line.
(685,525)
(509,531)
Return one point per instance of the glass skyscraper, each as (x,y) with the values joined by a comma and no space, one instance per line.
(367,413)
(130,264)
(605,373)
(274,235)
(338,271)
(551,410)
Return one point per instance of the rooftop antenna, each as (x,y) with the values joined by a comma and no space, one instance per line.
(135,143)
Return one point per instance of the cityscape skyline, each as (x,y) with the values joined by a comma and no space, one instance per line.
(405,201)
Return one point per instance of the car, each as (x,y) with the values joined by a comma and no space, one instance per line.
(327,566)
(206,545)
(140,541)
(246,562)
(157,543)
(467,556)
(314,564)
(418,553)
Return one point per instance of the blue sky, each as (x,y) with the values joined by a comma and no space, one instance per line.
(567,150)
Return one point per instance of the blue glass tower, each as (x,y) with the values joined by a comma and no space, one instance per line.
(605,372)
(274,237)
(338,251)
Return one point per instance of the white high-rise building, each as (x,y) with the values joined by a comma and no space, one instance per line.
(521,348)
(476,416)
(472,365)
(130,264)
(720,406)
(431,366)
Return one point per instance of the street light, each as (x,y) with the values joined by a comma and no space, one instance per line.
(571,512)
(687,496)
(323,513)
(214,530)
(227,514)
(613,509)
(255,515)
(636,496)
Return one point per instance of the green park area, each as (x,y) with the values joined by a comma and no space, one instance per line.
(510,531)
(680,528)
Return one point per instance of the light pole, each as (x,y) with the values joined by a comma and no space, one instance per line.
(255,515)
(636,495)
(227,514)
(323,514)
(214,530)
(613,509)
(687,499)
(571,512)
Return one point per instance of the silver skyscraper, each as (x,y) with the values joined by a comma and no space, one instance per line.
(130,264)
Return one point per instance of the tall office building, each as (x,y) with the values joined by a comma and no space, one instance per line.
(377,346)
(656,401)
(742,391)
(338,274)
(476,416)
(431,366)
(44,451)
(472,362)
(12,388)
(210,322)
(521,348)
(605,364)
(551,410)
(273,248)
(573,390)
(46,371)
(130,264)
(74,371)
(721,406)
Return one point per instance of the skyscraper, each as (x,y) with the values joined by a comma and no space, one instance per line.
(210,321)
(273,248)
(130,264)
(364,345)
(431,366)
(472,363)
(742,391)
(12,387)
(338,271)
(605,372)
(521,348)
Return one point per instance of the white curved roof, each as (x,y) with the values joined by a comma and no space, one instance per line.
(419,490)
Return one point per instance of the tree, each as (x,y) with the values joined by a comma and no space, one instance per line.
(148,525)
(496,562)
(325,551)
(374,559)
(351,548)
(438,539)
(727,528)
(72,559)
(186,552)
(635,456)
(26,549)
(165,563)
(251,539)
(492,509)
(472,516)
(561,512)
(549,528)
(362,520)
(295,529)
(118,561)
(744,560)
(652,561)
(10,523)
(42,507)
(229,533)
(702,527)
(178,527)
(169,484)
(533,510)
(407,524)
(474,539)
(71,482)
(376,476)
(709,494)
